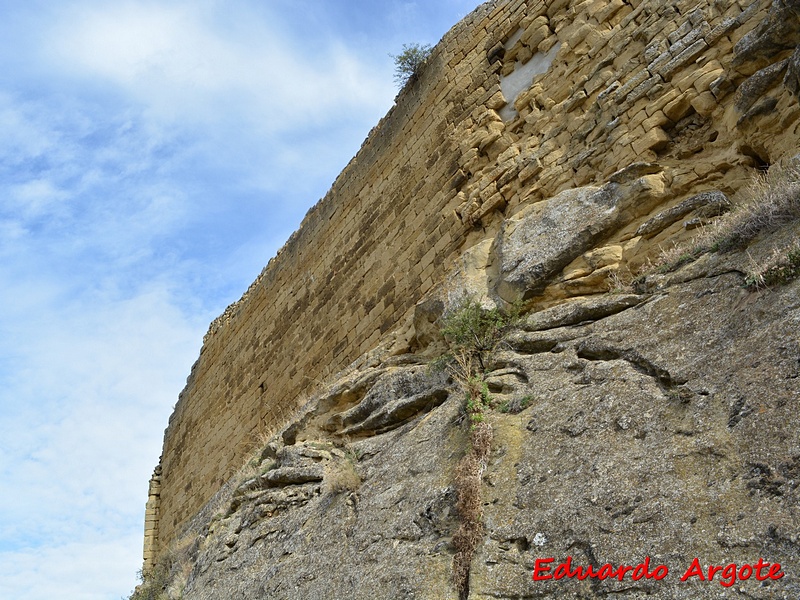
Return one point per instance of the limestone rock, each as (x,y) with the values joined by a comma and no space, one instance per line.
(792,78)
(780,30)
(660,426)
(663,408)
(752,90)
(544,237)
(712,203)
(580,310)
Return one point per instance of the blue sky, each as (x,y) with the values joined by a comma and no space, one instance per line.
(153,157)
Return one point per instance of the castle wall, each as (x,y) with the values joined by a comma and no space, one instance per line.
(635,81)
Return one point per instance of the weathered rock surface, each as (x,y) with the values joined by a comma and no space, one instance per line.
(668,430)
(388,537)
(545,237)
(661,425)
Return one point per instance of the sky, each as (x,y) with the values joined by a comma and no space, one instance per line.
(154,155)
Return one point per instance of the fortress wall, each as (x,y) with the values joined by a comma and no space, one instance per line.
(360,260)
(634,81)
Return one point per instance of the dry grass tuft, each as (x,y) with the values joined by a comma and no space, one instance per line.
(468,477)
(341,476)
(769,202)
(168,577)
(772,200)
(782,266)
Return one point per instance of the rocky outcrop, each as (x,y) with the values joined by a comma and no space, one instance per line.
(545,237)
(624,125)
(658,426)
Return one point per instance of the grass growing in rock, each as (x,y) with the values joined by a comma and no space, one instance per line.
(167,578)
(341,474)
(468,477)
(472,333)
(771,201)
(780,268)
(516,405)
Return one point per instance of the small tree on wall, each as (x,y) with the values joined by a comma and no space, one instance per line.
(408,63)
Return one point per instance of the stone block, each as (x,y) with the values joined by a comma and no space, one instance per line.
(704,104)
(658,119)
(653,139)
(679,107)
(685,57)
(604,10)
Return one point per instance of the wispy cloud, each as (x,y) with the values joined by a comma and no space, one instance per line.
(84,387)
(178,63)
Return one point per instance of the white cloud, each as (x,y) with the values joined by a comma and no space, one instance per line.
(178,62)
(21,137)
(81,422)
(92,567)
(36,197)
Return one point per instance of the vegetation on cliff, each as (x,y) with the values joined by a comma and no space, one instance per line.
(769,202)
(408,64)
(472,334)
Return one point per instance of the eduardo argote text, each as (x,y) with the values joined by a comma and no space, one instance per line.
(725,575)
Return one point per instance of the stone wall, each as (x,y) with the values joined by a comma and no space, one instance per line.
(693,93)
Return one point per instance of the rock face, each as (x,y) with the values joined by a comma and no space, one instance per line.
(662,424)
(639,413)
(545,237)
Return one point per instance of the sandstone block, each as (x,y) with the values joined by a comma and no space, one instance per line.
(659,119)
(602,257)
(676,109)
(682,59)
(705,104)
(660,102)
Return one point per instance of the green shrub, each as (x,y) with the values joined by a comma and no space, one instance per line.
(472,332)
(408,64)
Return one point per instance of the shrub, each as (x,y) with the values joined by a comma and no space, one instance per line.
(472,332)
(408,64)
